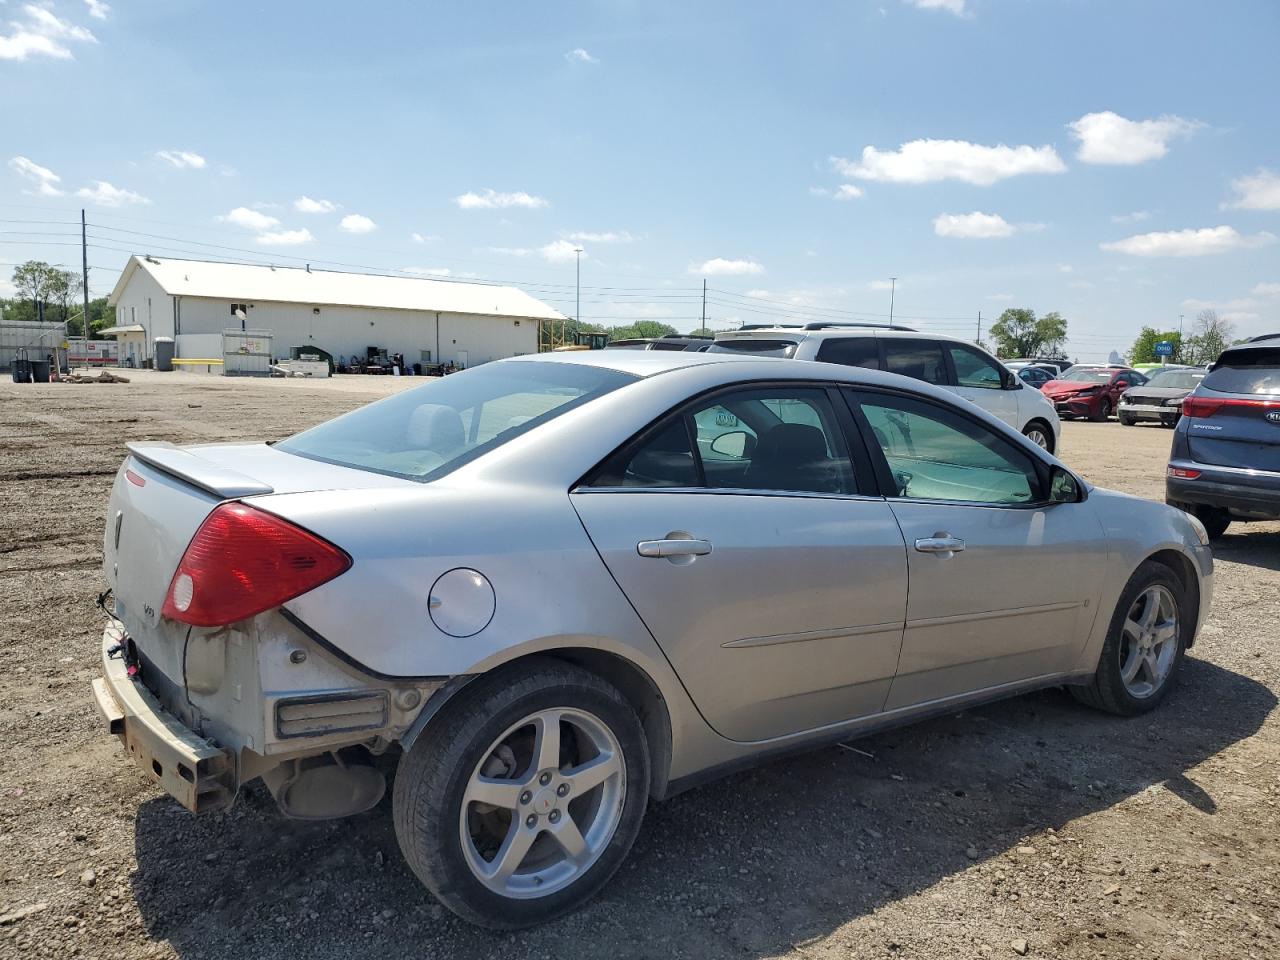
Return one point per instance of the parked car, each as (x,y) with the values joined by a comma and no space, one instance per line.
(528,586)
(1058,365)
(1160,398)
(1034,375)
(668,341)
(1225,461)
(947,362)
(1091,391)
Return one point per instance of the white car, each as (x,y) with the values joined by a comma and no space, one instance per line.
(947,362)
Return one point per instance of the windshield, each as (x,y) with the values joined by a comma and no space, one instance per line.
(1087,375)
(1177,379)
(427,432)
(761,346)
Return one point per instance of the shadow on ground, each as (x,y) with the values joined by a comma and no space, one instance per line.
(1248,544)
(746,867)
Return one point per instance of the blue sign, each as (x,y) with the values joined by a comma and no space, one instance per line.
(1164,348)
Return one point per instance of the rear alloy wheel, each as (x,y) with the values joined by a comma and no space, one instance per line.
(1104,410)
(519,804)
(1038,434)
(1144,644)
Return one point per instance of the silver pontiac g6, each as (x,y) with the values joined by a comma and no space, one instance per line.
(550,588)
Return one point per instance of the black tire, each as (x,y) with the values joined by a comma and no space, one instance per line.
(1104,411)
(1215,519)
(433,776)
(1043,429)
(1106,691)
(1126,421)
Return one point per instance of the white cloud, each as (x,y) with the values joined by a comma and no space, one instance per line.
(951,6)
(492,200)
(429,271)
(578,55)
(1107,137)
(41,34)
(607,236)
(105,195)
(422,238)
(46,180)
(1137,216)
(847,191)
(560,251)
(1000,297)
(928,161)
(97,9)
(971,226)
(1066,268)
(182,159)
(249,219)
(720,267)
(1188,243)
(305,204)
(1260,191)
(284,238)
(1267,290)
(357,223)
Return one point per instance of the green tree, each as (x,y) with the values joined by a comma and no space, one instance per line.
(1144,348)
(44,286)
(1018,333)
(1212,335)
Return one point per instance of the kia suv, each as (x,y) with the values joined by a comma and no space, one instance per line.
(1225,461)
(947,362)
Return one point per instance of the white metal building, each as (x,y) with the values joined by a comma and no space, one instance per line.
(427,320)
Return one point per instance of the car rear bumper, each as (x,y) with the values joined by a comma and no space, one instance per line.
(1249,493)
(191,769)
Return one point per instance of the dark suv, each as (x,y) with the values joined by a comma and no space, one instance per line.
(1225,462)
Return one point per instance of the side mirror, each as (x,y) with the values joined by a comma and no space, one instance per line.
(733,444)
(1064,487)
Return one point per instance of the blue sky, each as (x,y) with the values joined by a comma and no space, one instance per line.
(1116,161)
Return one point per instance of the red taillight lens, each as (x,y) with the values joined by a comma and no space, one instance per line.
(1183,474)
(1201,406)
(243,561)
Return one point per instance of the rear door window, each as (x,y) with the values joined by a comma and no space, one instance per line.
(974,369)
(851,351)
(921,359)
(1247,371)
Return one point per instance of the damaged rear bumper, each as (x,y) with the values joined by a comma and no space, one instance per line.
(194,771)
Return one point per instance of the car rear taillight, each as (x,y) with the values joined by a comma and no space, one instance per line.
(1194,406)
(1181,473)
(243,561)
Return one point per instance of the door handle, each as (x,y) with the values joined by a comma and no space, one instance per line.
(674,547)
(941,543)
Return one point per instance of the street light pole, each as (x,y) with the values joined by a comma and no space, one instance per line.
(577,287)
(893,288)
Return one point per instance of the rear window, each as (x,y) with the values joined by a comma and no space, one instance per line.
(429,431)
(761,346)
(851,351)
(921,359)
(1255,370)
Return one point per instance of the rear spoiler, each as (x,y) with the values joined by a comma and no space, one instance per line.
(222,483)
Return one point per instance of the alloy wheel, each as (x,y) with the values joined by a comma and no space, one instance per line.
(543,803)
(1037,436)
(1149,641)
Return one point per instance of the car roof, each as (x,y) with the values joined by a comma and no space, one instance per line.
(800,333)
(640,363)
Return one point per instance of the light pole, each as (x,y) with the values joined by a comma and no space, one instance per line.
(893,288)
(577,288)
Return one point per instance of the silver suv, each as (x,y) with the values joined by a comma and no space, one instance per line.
(947,362)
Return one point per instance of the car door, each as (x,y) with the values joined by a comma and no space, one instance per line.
(982,381)
(1002,582)
(760,556)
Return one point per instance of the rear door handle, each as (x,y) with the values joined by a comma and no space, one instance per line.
(942,544)
(673,548)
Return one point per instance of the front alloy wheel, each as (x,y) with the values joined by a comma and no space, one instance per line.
(1039,436)
(523,794)
(1149,641)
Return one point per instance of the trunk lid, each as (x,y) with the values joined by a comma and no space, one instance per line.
(1243,433)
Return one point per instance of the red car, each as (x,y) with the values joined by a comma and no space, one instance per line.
(1091,391)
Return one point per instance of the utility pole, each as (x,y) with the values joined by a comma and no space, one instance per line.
(893,287)
(704,304)
(979,340)
(84,273)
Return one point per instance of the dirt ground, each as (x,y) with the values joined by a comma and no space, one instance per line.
(1031,820)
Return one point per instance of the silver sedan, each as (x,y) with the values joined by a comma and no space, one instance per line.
(550,588)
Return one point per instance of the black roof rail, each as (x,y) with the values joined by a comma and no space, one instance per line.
(770,326)
(687,336)
(830,324)
(1264,336)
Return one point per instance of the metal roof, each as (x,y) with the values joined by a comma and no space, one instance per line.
(116,331)
(250,282)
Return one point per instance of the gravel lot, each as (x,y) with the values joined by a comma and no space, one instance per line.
(1030,826)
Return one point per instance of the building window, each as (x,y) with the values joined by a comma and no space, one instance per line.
(238,308)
